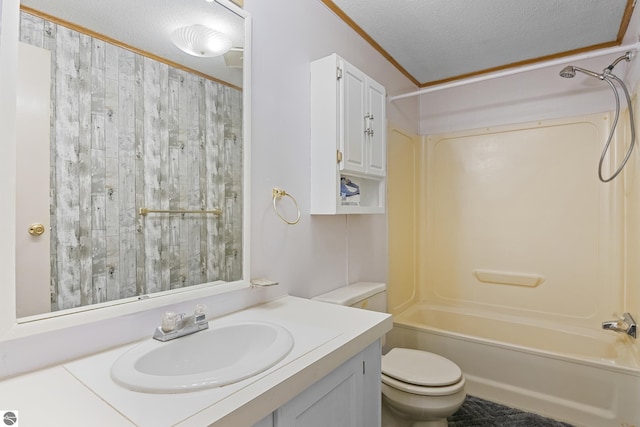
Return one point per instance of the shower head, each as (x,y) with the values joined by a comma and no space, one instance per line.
(568,72)
(608,77)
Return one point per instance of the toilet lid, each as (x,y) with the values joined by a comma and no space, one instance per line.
(420,368)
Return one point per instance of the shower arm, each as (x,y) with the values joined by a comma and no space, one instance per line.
(626,56)
(570,71)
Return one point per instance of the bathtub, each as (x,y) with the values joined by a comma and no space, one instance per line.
(583,377)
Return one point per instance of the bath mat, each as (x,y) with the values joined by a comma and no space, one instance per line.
(482,413)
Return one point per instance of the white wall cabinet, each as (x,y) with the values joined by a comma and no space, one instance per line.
(347,397)
(348,138)
(363,143)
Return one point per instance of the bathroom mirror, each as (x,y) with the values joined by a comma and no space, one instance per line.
(144,170)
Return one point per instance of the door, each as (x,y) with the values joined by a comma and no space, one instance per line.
(33,294)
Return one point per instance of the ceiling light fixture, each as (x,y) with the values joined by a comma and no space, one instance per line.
(198,40)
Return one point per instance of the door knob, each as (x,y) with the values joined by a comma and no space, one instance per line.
(36,229)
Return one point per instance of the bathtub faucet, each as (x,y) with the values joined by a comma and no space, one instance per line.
(624,324)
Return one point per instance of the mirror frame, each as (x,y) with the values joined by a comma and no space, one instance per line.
(12,327)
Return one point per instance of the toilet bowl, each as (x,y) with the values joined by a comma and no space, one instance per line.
(419,388)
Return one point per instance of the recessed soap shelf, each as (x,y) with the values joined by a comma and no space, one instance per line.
(508,278)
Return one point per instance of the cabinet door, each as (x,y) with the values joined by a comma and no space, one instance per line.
(265,422)
(372,385)
(352,143)
(376,138)
(336,400)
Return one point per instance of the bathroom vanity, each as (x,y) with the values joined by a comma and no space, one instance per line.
(330,377)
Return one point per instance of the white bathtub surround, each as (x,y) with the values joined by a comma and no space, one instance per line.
(517,221)
(520,255)
(325,337)
(581,376)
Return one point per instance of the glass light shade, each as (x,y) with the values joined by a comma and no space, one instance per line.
(198,40)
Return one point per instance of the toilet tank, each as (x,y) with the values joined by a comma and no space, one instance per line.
(365,295)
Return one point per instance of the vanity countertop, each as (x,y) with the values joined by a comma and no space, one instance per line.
(81,392)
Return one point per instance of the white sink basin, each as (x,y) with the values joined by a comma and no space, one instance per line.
(211,358)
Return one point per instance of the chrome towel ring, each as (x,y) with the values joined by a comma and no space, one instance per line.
(277,195)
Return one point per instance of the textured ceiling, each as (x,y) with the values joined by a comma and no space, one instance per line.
(439,40)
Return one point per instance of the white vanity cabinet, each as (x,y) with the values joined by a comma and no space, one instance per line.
(265,422)
(333,372)
(348,139)
(347,397)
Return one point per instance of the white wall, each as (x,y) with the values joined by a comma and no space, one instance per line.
(321,252)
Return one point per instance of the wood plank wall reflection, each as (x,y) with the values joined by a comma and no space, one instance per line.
(130,132)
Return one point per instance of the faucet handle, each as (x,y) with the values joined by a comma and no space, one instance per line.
(169,321)
(624,317)
(200,313)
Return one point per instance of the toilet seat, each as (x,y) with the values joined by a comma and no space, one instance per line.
(420,372)
(423,390)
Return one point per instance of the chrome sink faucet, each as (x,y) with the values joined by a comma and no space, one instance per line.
(178,325)
(625,324)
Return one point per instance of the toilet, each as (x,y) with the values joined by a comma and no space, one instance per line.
(419,389)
